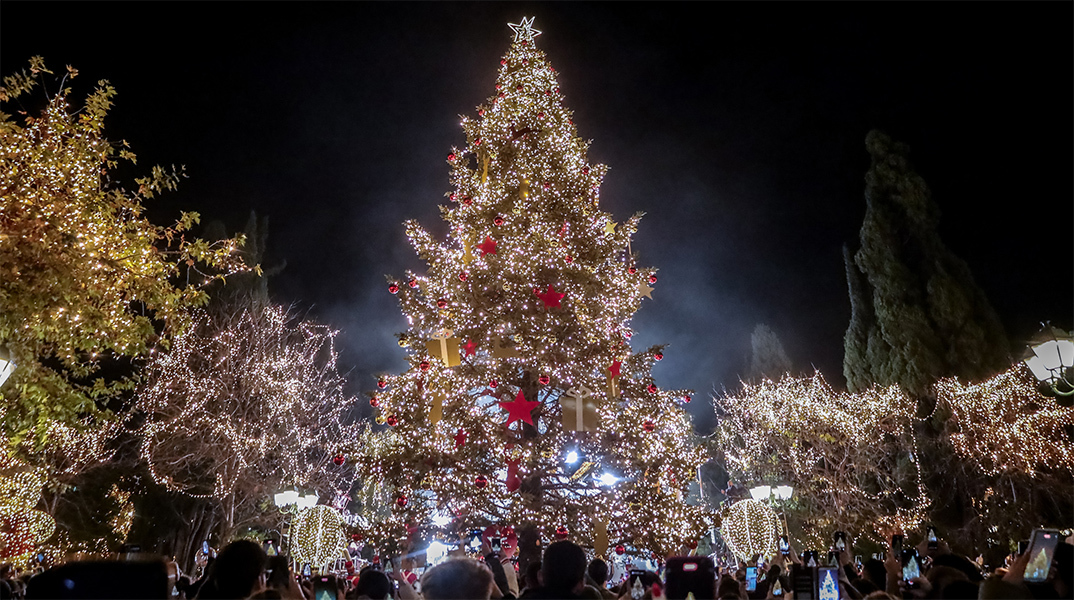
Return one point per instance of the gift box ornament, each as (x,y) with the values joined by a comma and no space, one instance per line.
(445,347)
(579,409)
(436,407)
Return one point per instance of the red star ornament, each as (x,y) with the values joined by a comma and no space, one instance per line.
(551,298)
(613,370)
(470,347)
(519,409)
(488,246)
(460,439)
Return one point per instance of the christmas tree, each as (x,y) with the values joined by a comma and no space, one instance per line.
(524,404)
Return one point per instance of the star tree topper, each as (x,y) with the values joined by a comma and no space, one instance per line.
(519,410)
(524,31)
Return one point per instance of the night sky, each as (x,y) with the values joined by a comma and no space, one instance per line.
(738,128)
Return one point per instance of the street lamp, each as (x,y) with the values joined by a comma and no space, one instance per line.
(7,366)
(761,492)
(1052,359)
(783,491)
(291,502)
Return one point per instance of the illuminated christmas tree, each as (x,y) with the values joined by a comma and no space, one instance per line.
(524,403)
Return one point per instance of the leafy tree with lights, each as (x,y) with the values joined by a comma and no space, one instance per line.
(519,354)
(85,279)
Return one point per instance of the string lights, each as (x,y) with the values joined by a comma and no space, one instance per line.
(319,536)
(84,276)
(251,396)
(23,527)
(542,309)
(750,528)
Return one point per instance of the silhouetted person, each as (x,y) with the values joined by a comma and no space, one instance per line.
(457,579)
(563,569)
(237,572)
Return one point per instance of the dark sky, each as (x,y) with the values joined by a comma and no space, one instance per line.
(739,128)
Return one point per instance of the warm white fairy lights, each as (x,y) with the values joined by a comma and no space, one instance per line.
(539,286)
(851,458)
(318,534)
(248,395)
(23,528)
(750,528)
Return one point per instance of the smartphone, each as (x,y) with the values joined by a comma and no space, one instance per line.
(324,587)
(496,544)
(839,540)
(828,583)
(833,558)
(205,547)
(1041,550)
(784,545)
(751,579)
(811,558)
(777,588)
(857,561)
(896,544)
(802,582)
(694,575)
(911,568)
(931,537)
(1023,545)
(637,583)
(306,571)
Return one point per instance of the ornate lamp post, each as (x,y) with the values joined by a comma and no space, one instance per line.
(1051,359)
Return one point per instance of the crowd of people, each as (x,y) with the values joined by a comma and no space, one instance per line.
(243,570)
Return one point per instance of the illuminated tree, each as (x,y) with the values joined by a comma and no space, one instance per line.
(851,457)
(916,313)
(246,402)
(85,279)
(518,350)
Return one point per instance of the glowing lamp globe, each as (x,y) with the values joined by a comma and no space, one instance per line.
(750,527)
(308,500)
(7,366)
(1052,357)
(783,492)
(286,498)
(761,492)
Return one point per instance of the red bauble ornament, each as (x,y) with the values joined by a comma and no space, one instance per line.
(463,276)
(548,92)
(494,383)
(339,460)
(467,200)
(648,426)
(628,334)
(498,86)
(540,115)
(441,303)
(382,384)
(585,170)
(692,544)
(424,365)
(498,221)
(503,62)
(356,536)
(652,388)
(547,184)
(481,112)
(571,121)
(500,95)
(620,549)
(525,61)
(401,501)
(477,142)
(652,279)
(544,379)
(569,259)
(562,533)
(413,283)
(686,399)
(512,481)
(391,421)
(631,270)
(518,88)
(481,481)
(451,196)
(393,288)
(451,156)
(374,402)
(659,356)
(557,90)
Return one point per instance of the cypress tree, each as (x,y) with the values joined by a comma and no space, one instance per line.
(916,313)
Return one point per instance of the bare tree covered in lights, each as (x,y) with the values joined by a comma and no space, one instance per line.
(85,279)
(519,349)
(246,402)
(851,458)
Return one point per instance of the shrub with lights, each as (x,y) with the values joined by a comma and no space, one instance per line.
(524,401)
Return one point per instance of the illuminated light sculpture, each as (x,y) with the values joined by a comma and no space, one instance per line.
(318,536)
(1052,362)
(749,528)
(22,528)
(545,309)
